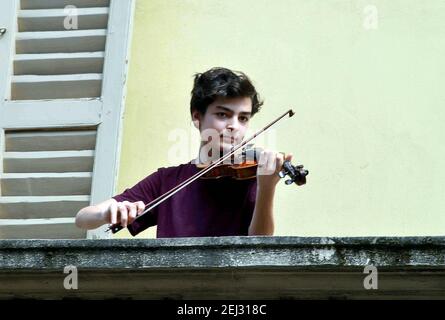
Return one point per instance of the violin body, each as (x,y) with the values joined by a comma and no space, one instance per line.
(242,171)
(246,166)
(241,167)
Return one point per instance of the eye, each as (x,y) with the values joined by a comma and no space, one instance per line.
(221,114)
(243,119)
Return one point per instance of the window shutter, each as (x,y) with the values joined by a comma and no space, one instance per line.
(60,114)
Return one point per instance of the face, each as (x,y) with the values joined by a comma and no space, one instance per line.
(228,117)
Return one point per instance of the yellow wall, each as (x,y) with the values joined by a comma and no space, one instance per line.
(369,103)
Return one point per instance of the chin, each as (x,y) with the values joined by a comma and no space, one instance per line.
(225,146)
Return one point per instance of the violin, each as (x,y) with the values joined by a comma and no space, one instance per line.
(244,166)
(247,169)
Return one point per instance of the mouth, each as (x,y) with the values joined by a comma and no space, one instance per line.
(228,140)
(226,143)
(227,137)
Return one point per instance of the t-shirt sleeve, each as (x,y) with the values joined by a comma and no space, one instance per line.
(145,190)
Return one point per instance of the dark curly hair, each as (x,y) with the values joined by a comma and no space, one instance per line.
(222,83)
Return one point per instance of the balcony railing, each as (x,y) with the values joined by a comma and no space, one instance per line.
(225,268)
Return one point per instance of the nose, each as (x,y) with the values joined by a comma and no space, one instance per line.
(233,124)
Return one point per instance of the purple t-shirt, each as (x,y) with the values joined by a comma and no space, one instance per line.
(206,207)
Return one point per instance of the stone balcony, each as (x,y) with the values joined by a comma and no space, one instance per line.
(224,268)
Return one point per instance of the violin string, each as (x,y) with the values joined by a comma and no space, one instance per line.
(154,203)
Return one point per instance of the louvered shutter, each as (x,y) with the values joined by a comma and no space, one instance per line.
(60,113)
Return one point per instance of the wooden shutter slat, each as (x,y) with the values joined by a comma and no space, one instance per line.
(53,161)
(51,4)
(60,41)
(57,228)
(58,63)
(24,207)
(50,140)
(54,19)
(46,184)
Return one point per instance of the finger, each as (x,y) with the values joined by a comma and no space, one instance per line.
(262,163)
(271,162)
(289,157)
(280,161)
(263,159)
(131,212)
(113,212)
(140,207)
(123,215)
(257,152)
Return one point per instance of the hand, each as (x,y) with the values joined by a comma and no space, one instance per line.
(123,213)
(269,165)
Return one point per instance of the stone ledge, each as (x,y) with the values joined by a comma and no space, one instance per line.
(225,268)
(216,252)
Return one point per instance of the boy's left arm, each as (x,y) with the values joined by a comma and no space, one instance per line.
(270,163)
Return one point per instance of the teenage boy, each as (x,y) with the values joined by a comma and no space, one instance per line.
(223,101)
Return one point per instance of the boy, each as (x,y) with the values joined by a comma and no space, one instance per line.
(223,101)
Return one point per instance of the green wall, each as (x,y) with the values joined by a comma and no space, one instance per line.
(369,103)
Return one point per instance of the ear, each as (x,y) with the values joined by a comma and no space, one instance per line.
(196,118)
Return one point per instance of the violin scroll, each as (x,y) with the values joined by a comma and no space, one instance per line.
(296,173)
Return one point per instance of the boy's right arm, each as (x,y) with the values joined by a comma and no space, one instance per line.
(109,211)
